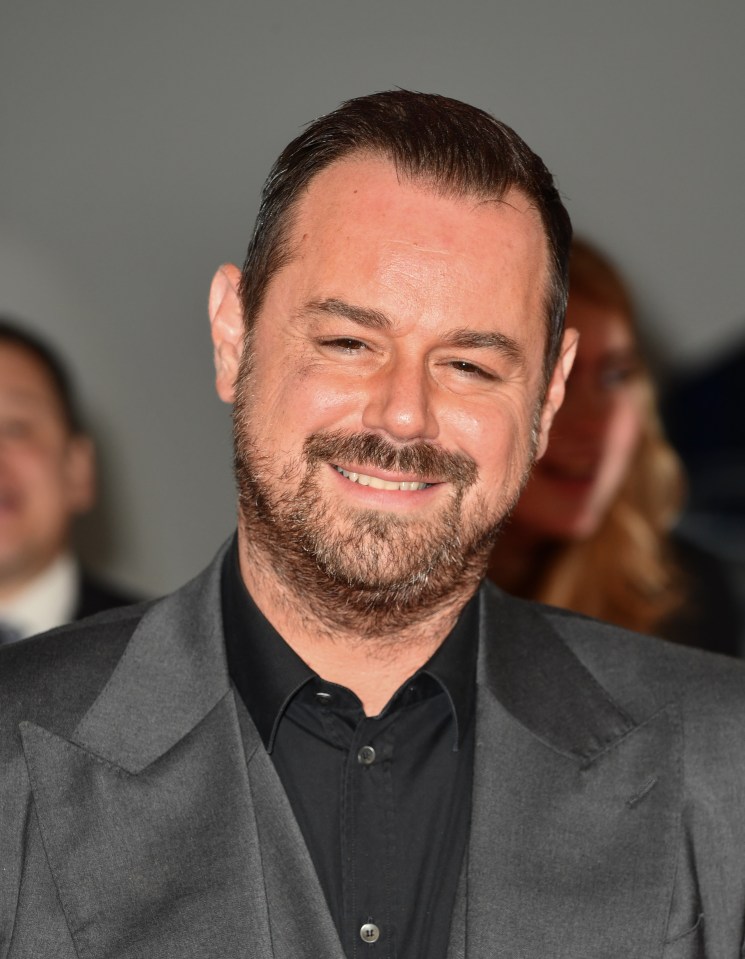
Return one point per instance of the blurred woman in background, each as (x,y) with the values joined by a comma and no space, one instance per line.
(592,530)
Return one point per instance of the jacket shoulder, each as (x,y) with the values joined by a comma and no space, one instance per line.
(644,671)
(51,679)
(640,673)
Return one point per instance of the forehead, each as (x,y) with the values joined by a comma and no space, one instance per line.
(24,377)
(367,193)
(361,221)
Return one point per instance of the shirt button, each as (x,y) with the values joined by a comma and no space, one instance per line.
(369,932)
(366,757)
(324,698)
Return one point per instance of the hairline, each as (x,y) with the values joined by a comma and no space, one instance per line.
(283,254)
(53,370)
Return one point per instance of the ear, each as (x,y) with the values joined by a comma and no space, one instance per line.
(80,470)
(556,388)
(226,321)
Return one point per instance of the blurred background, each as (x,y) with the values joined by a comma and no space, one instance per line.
(135,138)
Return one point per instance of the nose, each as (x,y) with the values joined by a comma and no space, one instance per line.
(401,401)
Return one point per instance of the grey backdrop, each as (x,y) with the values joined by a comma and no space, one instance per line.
(135,137)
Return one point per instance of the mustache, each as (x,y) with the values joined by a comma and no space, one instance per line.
(369,449)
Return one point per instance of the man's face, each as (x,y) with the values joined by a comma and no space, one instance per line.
(44,471)
(391,409)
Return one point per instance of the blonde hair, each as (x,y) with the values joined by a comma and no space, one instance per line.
(624,573)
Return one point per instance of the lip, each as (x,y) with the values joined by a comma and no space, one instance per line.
(386,499)
(386,475)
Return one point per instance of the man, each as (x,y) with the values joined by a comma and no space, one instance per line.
(46,481)
(336,742)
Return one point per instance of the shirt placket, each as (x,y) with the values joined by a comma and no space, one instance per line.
(368,838)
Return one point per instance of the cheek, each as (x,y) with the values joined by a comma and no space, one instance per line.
(497,438)
(32,466)
(331,401)
(622,438)
(288,403)
(45,492)
(315,403)
(498,421)
(473,430)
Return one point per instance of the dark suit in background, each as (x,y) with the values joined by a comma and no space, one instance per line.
(95,596)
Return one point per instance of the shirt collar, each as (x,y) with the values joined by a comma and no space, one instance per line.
(267,672)
(453,665)
(48,601)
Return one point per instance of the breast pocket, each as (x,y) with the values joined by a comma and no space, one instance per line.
(688,944)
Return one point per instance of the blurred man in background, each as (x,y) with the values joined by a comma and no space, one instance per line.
(47,479)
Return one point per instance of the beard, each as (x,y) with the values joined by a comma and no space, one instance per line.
(358,569)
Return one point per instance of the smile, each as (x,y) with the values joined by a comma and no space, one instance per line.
(364,480)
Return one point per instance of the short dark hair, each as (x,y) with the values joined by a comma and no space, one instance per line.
(15,334)
(461,149)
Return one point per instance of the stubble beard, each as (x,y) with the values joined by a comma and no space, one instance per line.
(363,571)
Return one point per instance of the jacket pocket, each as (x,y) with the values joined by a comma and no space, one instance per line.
(688,944)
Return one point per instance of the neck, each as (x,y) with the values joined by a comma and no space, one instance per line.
(369,656)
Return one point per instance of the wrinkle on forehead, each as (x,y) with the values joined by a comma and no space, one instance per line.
(436,251)
(359,223)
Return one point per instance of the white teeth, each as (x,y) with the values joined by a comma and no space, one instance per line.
(364,480)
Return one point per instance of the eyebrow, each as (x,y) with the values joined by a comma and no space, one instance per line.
(475,340)
(372,319)
(464,339)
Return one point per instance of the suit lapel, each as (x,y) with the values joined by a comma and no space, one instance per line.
(457,940)
(146,812)
(576,806)
(300,922)
(157,847)
(172,674)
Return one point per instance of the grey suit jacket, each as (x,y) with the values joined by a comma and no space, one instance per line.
(140,815)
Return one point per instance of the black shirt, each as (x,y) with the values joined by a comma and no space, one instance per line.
(383,802)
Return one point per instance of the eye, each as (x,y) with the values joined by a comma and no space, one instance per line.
(15,429)
(614,376)
(471,370)
(344,344)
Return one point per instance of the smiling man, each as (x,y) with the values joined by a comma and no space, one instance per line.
(392,398)
(47,480)
(336,741)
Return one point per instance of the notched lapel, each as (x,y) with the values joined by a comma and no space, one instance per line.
(571,860)
(164,863)
(576,808)
(538,679)
(171,675)
(145,812)
(300,921)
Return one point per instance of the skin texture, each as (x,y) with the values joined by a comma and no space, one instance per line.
(416,320)
(595,435)
(46,474)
